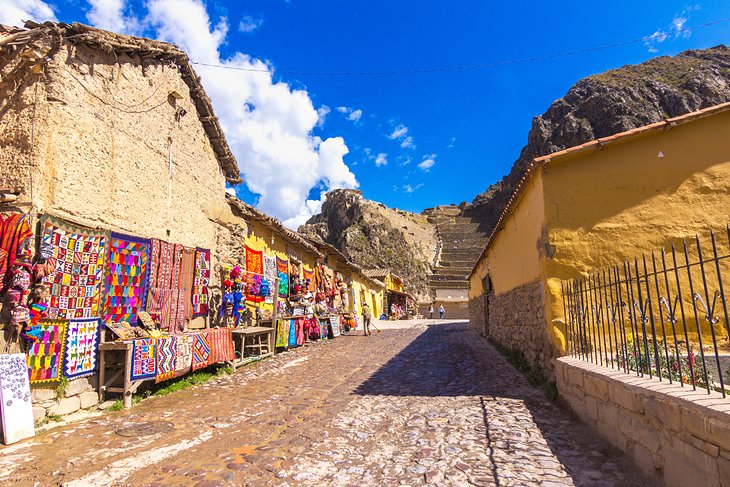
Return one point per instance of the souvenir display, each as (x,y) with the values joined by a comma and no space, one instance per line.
(126,278)
(201,280)
(45,350)
(82,345)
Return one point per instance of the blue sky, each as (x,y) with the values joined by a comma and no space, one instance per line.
(411,140)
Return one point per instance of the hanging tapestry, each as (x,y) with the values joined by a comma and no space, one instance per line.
(293,334)
(14,233)
(163,298)
(300,331)
(185,289)
(282,268)
(270,275)
(77,268)
(323,328)
(46,352)
(282,333)
(201,350)
(184,354)
(165,355)
(144,359)
(254,272)
(201,279)
(309,280)
(126,278)
(221,345)
(82,345)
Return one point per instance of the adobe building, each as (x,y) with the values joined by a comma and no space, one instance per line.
(591,206)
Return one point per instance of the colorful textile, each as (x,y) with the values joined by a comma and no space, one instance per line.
(185,288)
(335,322)
(201,279)
(270,268)
(293,334)
(46,352)
(282,333)
(221,345)
(165,355)
(309,275)
(14,232)
(126,278)
(77,262)
(184,354)
(82,345)
(144,359)
(167,297)
(254,271)
(282,268)
(201,350)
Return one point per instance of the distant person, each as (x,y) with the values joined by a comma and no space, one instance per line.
(366,315)
(442,311)
(430,311)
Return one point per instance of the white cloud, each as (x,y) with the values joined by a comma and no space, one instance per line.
(451,144)
(676,28)
(407,143)
(355,115)
(427,163)
(322,113)
(381,159)
(248,24)
(268,125)
(410,189)
(14,12)
(343,109)
(398,132)
(109,15)
(405,161)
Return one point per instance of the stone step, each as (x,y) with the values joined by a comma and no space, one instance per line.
(461,274)
(456,263)
(449,285)
(437,278)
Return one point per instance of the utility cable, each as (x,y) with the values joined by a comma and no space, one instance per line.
(439,69)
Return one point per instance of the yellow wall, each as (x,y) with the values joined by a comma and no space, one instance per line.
(362,289)
(393,284)
(513,258)
(611,205)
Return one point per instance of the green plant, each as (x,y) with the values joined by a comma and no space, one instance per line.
(534,376)
(117,406)
(61,388)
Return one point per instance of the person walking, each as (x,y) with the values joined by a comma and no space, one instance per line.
(366,315)
(442,311)
(430,311)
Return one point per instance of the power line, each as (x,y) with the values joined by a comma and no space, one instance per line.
(439,69)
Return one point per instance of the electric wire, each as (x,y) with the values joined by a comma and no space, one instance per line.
(464,67)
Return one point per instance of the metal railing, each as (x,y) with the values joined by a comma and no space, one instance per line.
(656,315)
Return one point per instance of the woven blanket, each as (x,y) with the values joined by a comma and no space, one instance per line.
(144,359)
(221,345)
(282,268)
(14,232)
(293,334)
(78,257)
(270,267)
(82,346)
(165,355)
(254,271)
(201,279)
(184,354)
(126,278)
(185,286)
(164,300)
(201,350)
(282,333)
(46,353)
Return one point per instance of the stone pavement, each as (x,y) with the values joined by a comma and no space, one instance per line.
(420,403)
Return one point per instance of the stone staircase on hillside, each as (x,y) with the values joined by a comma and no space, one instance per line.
(462,241)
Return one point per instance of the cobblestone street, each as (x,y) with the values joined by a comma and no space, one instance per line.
(418,403)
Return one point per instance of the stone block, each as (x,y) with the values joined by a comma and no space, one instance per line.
(592,408)
(643,458)
(719,431)
(723,465)
(695,422)
(38,413)
(42,394)
(612,434)
(663,413)
(702,460)
(67,405)
(76,387)
(679,472)
(709,448)
(596,387)
(88,399)
(608,414)
(622,395)
(575,376)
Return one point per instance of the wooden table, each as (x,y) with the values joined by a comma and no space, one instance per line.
(253,332)
(116,358)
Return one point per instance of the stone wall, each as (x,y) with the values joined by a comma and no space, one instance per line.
(477,317)
(517,321)
(77,394)
(679,435)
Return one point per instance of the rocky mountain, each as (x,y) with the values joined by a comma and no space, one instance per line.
(612,102)
(375,236)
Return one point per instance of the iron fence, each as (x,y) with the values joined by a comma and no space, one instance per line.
(663,314)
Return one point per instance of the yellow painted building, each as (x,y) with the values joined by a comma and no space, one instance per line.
(592,206)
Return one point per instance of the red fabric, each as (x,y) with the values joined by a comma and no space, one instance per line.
(14,230)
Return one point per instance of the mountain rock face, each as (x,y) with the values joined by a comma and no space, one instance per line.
(375,236)
(613,102)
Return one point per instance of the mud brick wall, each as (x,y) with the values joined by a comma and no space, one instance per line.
(679,435)
(517,321)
